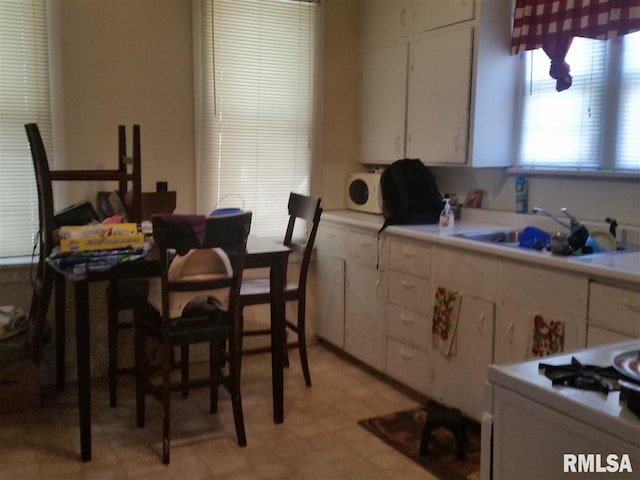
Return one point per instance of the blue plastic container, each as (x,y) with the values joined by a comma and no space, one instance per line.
(225,211)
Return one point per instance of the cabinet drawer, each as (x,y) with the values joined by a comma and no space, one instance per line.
(601,336)
(408,365)
(411,292)
(409,257)
(363,247)
(408,326)
(616,309)
(332,240)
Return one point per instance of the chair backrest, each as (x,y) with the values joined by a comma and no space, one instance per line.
(46,223)
(305,208)
(180,234)
(133,196)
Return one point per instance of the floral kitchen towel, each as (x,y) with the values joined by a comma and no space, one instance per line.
(547,336)
(445,320)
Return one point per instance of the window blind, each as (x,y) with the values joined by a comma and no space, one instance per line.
(563,130)
(24,98)
(257,68)
(628,133)
(594,124)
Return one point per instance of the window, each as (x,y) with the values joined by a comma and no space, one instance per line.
(592,125)
(256,98)
(24,98)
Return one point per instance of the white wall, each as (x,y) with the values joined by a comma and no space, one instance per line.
(124,62)
(588,198)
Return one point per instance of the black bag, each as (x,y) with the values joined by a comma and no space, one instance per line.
(409,194)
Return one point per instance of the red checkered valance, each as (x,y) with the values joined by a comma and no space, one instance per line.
(537,22)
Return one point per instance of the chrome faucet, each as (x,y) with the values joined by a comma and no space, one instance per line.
(574,223)
(556,219)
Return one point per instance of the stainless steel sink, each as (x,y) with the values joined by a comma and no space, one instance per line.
(493,236)
(511,238)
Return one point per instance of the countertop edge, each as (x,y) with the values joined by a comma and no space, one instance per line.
(430,233)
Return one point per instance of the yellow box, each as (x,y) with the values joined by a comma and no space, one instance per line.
(100,237)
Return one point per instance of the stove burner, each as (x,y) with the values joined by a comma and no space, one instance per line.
(584,377)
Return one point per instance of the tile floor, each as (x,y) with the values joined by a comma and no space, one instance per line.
(319,439)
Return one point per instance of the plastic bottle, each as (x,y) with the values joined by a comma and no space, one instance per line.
(521,195)
(446,218)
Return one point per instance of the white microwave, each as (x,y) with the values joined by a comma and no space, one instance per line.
(363,192)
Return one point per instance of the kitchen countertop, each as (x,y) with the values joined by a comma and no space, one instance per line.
(620,267)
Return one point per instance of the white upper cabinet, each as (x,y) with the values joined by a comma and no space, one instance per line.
(389,20)
(384,20)
(438,97)
(384,91)
(454,102)
(429,14)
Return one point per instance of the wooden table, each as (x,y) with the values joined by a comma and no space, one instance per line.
(261,252)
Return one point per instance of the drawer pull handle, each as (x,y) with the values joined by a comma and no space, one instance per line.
(630,305)
(378,288)
(406,319)
(365,243)
(481,324)
(406,355)
(408,253)
(408,285)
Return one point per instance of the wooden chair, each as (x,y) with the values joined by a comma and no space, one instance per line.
(44,178)
(124,295)
(171,324)
(256,291)
(43,283)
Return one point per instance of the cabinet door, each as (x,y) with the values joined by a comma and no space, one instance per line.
(438,101)
(330,297)
(430,14)
(365,328)
(383,20)
(459,379)
(614,308)
(383,100)
(529,291)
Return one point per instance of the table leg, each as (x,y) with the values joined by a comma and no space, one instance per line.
(60,319)
(277,280)
(84,367)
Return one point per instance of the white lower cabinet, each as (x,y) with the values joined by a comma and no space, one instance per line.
(383,316)
(330,295)
(614,314)
(408,365)
(365,328)
(526,292)
(458,380)
(409,309)
(329,269)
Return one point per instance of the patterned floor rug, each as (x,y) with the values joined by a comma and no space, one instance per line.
(403,431)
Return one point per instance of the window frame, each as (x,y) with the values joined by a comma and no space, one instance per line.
(606,162)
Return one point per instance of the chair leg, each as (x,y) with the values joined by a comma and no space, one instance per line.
(112,330)
(215,349)
(140,369)
(302,342)
(286,348)
(184,369)
(235,359)
(166,399)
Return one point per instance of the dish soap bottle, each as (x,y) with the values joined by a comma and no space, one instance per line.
(446,218)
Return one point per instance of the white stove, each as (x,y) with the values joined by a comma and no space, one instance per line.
(531,429)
